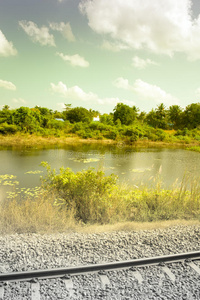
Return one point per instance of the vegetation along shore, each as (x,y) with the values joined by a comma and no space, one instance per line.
(40,126)
(67,201)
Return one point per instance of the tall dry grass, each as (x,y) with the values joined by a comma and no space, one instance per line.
(73,201)
(20,140)
(35,215)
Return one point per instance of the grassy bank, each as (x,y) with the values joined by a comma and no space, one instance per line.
(194,148)
(88,200)
(33,141)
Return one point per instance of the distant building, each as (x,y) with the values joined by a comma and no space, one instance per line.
(59,119)
(96,119)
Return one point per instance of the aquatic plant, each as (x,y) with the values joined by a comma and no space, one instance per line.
(34,172)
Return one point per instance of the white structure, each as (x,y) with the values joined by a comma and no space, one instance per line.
(96,119)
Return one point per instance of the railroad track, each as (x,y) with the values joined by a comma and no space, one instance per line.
(102,272)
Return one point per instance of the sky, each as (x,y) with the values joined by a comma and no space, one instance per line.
(97,53)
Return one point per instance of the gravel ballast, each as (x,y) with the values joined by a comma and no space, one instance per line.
(23,252)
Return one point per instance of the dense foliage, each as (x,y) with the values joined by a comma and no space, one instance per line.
(125,123)
(86,192)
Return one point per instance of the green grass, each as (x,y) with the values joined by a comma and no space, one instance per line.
(194,148)
(67,201)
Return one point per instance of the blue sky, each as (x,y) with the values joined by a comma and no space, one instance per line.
(96,53)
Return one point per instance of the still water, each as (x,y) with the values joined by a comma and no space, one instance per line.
(133,166)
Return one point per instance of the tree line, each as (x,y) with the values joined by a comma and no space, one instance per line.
(123,121)
(173,117)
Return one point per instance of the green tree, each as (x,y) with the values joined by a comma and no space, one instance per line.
(158,118)
(6,107)
(78,114)
(124,113)
(68,106)
(24,118)
(191,116)
(94,113)
(161,116)
(151,118)
(57,114)
(44,111)
(6,115)
(107,119)
(141,117)
(175,116)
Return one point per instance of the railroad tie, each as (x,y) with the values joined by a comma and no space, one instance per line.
(35,290)
(105,282)
(69,284)
(194,267)
(137,275)
(1,290)
(169,273)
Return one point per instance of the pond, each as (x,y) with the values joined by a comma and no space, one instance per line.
(133,166)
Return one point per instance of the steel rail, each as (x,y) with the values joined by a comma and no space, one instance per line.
(77,270)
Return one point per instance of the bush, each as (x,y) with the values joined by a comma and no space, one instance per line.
(184,139)
(161,135)
(133,138)
(97,126)
(77,127)
(85,134)
(56,124)
(134,131)
(87,191)
(8,129)
(182,132)
(111,133)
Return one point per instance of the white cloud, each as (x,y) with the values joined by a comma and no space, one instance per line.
(7,85)
(6,48)
(19,100)
(64,29)
(140,63)
(113,46)
(75,60)
(76,93)
(153,93)
(146,91)
(122,83)
(161,26)
(38,35)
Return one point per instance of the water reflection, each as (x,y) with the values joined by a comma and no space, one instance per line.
(133,166)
